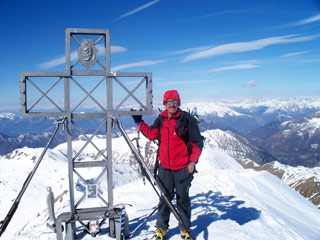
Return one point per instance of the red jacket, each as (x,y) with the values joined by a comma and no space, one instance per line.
(174,152)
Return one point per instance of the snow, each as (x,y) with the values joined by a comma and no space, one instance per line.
(312,125)
(268,106)
(307,127)
(10,116)
(294,174)
(214,108)
(228,202)
(294,104)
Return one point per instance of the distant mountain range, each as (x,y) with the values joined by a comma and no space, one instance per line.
(259,134)
(294,142)
(287,129)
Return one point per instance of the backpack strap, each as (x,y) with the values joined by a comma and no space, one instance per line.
(158,123)
(182,123)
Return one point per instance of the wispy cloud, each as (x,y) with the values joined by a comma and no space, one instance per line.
(293,54)
(188,50)
(247,46)
(218,13)
(253,61)
(308,20)
(74,55)
(234,67)
(209,15)
(138,9)
(114,49)
(53,63)
(299,23)
(251,84)
(136,64)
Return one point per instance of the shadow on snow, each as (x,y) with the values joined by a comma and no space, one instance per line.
(208,208)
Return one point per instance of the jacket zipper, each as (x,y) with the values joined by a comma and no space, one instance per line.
(169,144)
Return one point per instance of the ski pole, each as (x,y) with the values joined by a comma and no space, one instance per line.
(146,219)
(150,177)
(16,203)
(138,148)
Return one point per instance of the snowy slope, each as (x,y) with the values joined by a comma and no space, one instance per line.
(304,180)
(228,202)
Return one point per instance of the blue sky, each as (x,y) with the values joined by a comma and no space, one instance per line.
(206,49)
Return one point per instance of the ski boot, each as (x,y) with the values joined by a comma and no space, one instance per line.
(160,234)
(185,234)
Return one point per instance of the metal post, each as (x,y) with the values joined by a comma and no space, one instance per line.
(109,153)
(70,154)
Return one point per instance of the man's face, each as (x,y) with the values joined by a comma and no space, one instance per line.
(171,106)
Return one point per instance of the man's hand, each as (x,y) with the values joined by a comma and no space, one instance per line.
(137,118)
(191,168)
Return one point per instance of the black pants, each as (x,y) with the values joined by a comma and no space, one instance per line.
(174,183)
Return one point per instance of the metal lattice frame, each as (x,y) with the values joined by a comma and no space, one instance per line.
(89,59)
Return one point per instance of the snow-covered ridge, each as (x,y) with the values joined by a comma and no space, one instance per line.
(228,202)
(294,174)
(8,115)
(236,146)
(250,106)
(284,104)
(309,126)
(218,109)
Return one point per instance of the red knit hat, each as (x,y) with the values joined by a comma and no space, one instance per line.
(171,94)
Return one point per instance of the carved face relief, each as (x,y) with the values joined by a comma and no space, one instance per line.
(87,53)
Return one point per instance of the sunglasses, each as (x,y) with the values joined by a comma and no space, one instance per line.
(171,101)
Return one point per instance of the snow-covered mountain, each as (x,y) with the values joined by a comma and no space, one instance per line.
(248,114)
(8,144)
(304,180)
(242,115)
(237,146)
(5,115)
(228,201)
(293,106)
(294,142)
(219,115)
(11,124)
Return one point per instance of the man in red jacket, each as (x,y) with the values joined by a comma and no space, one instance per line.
(180,146)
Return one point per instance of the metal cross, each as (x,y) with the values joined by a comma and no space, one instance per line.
(85,62)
